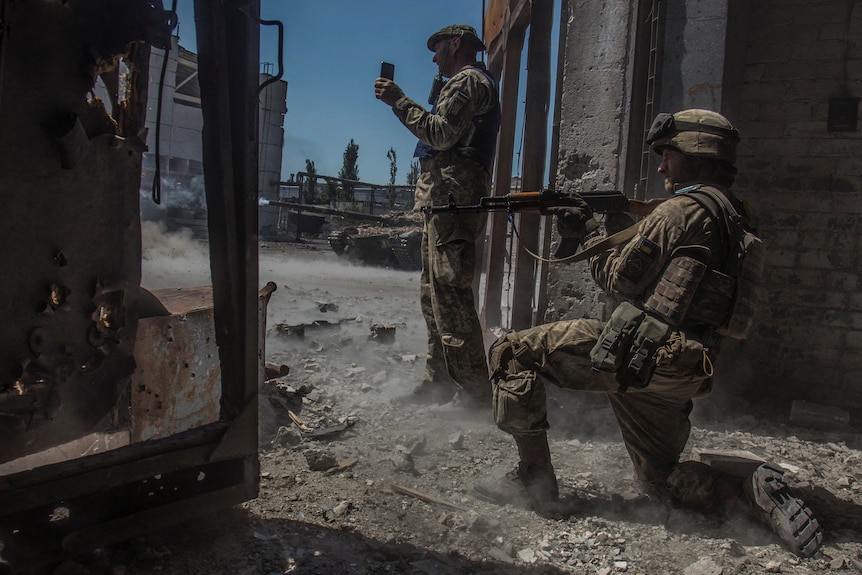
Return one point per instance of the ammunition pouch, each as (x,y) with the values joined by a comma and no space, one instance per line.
(672,297)
(627,346)
(520,404)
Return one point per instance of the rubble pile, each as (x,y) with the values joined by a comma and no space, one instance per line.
(350,483)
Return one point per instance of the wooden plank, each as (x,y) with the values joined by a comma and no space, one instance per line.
(535,140)
(497,223)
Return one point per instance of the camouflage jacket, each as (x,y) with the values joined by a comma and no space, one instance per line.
(468,94)
(630,271)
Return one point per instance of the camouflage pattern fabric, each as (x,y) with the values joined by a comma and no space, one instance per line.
(467,94)
(455,343)
(654,421)
(456,347)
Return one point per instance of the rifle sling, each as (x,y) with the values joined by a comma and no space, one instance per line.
(599,247)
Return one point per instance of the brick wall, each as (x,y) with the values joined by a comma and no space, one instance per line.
(805,184)
(783,61)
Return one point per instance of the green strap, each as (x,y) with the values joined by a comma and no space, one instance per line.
(604,245)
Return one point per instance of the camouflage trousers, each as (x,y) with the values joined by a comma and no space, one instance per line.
(456,348)
(653,421)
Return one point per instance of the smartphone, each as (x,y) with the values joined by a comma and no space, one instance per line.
(387,70)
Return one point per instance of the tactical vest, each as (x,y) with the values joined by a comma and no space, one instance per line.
(480,142)
(724,300)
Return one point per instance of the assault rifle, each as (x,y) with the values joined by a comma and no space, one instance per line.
(607,202)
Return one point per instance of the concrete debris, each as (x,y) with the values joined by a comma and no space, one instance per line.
(382,333)
(527,556)
(329,431)
(299,331)
(402,460)
(704,566)
(287,436)
(414,445)
(456,440)
(497,554)
(325,307)
(319,459)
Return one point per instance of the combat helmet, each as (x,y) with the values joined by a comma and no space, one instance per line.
(702,133)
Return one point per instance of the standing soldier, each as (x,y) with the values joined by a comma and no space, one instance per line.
(456,149)
(686,280)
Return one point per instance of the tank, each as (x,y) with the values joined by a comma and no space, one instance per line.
(391,241)
(395,247)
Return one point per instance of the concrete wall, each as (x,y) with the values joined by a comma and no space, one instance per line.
(593,129)
(771,67)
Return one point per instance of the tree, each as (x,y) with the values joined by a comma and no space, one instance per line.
(307,193)
(330,191)
(393,167)
(350,171)
(413,174)
(393,170)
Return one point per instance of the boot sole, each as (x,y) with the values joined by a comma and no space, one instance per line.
(788,516)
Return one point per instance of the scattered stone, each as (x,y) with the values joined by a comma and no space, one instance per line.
(456,440)
(704,566)
(287,436)
(402,460)
(382,333)
(341,508)
(319,459)
(498,554)
(527,555)
(772,567)
(326,306)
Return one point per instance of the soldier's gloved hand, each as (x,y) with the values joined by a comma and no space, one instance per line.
(617,222)
(574,221)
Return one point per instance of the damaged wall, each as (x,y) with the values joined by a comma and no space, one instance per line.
(772,70)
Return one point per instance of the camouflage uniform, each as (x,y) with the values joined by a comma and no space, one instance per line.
(455,342)
(654,420)
(694,263)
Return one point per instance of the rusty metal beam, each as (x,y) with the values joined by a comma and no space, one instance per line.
(228,54)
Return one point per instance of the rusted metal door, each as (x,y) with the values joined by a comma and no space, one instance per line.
(121,410)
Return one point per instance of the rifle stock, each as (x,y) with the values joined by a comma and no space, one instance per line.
(599,201)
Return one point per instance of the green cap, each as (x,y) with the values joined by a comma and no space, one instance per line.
(463,31)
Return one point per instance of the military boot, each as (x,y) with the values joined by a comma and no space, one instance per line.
(527,485)
(770,500)
(532,483)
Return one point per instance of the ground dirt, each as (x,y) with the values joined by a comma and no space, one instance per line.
(401,500)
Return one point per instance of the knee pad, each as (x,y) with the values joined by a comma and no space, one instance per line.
(520,404)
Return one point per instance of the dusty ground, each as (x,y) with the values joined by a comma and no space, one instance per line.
(364,519)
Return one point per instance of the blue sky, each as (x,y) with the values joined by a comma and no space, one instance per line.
(332,54)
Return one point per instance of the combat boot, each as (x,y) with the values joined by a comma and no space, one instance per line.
(527,485)
(770,500)
(426,393)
